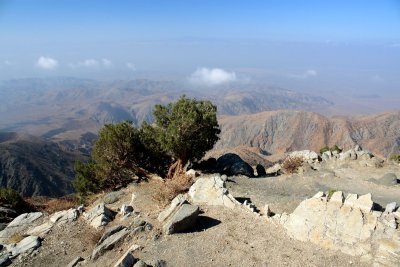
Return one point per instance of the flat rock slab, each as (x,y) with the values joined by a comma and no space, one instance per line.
(40,230)
(109,243)
(26,245)
(184,219)
(19,224)
(65,216)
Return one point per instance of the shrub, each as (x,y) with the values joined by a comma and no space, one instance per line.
(292,163)
(173,187)
(332,149)
(85,178)
(324,149)
(395,157)
(10,198)
(330,193)
(186,130)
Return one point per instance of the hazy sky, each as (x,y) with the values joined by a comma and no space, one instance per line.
(314,45)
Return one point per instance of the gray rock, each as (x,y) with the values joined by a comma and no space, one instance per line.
(26,245)
(260,170)
(158,263)
(109,243)
(110,232)
(40,230)
(65,216)
(126,210)
(111,197)
(274,170)
(184,219)
(391,207)
(4,260)
(388,179)
(231,164)
(327,155)
(175,204)
(25,219)
(75,262)
(127,260)
(19,224)
(99,215)
(140,263)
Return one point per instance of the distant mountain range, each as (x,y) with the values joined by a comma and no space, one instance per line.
(288,130)
(66,108)
(35,167)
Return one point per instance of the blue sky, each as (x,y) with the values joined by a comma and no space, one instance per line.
(317,45)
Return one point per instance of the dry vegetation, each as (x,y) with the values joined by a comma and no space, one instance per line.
(173,187)
(292,164)
(51,205)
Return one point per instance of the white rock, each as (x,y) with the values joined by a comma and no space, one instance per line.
(211,190)
(65,216)
(40,230)
(99,215)
(350,200)
(364,203)
(26,245)
(308,155)
(391,207)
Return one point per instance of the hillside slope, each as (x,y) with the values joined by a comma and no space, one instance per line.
(288,130)
(35,167)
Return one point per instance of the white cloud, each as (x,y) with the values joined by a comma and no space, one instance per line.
(307,74)
(106,63)
(93,64)
(131,66)
(47,63)
(212,77)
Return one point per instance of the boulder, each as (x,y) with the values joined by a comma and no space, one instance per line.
(260,170)
(183,219)
(231,164)
(364,203)
(241,168)
(40,230)
(99,215)
(126,210)
(140,263)
(110,232)
(327,155)
(65,216)
(211,190)
(178,201)
(19,224)
(308,155)
(192,173)
(127,260)
(109,243)
(26,245)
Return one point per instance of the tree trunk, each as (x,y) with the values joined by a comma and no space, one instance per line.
(175,169)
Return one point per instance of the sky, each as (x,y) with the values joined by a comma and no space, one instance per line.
(327,46)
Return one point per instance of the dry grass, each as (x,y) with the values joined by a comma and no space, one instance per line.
(292,164)
(173,187)
(51,205)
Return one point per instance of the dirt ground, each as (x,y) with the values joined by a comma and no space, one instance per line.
(223,237)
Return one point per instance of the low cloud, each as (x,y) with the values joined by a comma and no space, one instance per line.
(307,74)
(47,63)
(210,77)
(131,66)
(93,64)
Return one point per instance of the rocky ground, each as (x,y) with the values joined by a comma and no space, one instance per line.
(226,233)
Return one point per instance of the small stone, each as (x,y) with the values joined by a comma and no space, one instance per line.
(391,207)
(267,212)
(75,261)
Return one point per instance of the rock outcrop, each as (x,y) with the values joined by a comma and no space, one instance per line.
(349,224)
(99,215)
(211,190)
